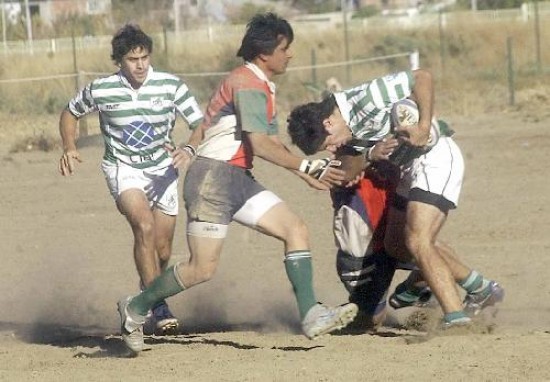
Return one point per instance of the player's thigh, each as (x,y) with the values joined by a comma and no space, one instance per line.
(281,222)
(424,221)
(165,226)
(133,204)
(204,257)
(394,238)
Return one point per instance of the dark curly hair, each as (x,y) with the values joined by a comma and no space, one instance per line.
(264,33)
(128,38)
(305,124)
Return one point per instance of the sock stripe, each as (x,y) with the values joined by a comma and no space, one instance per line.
(296,255)
(473,278)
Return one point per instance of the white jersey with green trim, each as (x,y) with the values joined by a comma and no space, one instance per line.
(367,107)
(137,123)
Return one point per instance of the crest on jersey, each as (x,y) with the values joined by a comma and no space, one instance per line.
(156,103)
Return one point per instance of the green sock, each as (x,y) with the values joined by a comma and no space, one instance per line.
(408,292)
(458,316)
(299,271)
(166,285)
(474,282)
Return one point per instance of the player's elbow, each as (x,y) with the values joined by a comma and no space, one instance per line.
(423,76)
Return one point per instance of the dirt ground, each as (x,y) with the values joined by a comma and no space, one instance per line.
(66,260)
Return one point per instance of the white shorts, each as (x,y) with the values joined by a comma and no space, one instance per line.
(159,185)
(439,173)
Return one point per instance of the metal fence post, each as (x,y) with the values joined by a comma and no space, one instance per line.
(510,71)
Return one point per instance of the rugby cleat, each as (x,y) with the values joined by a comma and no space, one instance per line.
(321,319)
(474,303)
(405,298)
(456,323)
(131,328)
(165,322)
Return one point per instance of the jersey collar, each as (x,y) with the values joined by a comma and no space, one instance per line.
(261,75)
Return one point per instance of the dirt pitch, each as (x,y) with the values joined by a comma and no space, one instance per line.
(66,259)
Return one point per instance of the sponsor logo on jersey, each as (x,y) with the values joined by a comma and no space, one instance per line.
(138,134)
(112,106)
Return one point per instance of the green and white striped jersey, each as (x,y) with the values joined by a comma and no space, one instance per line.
(367,107)
(137,123)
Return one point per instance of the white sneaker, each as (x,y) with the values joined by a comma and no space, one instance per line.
(321,319)
(131,328)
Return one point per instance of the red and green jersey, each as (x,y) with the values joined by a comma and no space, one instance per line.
(243,103)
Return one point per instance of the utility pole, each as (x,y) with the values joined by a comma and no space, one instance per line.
(4,28)
(537,36)
(29,25)
(344,6)
(176,16)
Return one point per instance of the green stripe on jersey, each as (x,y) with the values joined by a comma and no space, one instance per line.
(137,122)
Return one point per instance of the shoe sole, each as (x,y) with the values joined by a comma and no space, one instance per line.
(346,316)
(167,327)
(456,325)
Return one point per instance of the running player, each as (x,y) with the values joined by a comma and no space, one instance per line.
(241,123)
(137,109)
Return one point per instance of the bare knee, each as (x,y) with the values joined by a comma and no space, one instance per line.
(193,274)
(164,251)
(418,244)
(297,234)
(144,231)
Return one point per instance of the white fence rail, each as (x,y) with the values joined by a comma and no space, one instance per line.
(413,62)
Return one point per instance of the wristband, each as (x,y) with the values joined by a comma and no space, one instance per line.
(190,150)
(369,154)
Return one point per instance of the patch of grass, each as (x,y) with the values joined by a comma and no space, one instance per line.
(42,142)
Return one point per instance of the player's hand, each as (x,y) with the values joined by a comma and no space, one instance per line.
(332,175)
(181,157)
(383,149)
(414,135)
(67,162)
(325,170)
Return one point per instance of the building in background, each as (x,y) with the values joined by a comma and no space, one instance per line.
(50,10)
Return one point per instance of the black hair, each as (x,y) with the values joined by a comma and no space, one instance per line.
(264,33)
(305,124)
(128,38)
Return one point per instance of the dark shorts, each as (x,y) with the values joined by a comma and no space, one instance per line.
(214,190)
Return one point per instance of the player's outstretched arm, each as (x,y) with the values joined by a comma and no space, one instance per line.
(273,150)
(67,129)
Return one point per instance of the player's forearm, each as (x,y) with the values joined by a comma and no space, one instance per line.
(273,151)
(423,93)
(196,136)
(67,129)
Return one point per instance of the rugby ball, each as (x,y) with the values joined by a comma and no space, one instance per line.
(405,113)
